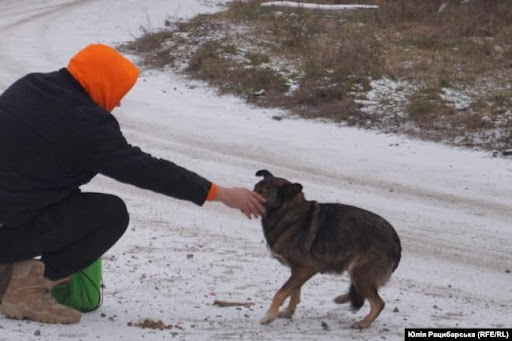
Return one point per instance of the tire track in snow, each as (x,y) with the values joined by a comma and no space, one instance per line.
(28,14)
(213,150)
(43,12)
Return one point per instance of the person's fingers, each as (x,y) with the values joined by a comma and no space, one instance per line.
(257,202)
(258,197)
(259,208)
(251,210)
(255,206)
(247,213)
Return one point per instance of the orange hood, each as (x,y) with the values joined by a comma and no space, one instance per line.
(104,73)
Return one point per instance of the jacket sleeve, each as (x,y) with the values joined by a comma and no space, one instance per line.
(106,151)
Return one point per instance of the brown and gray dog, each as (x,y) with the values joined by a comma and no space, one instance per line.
(312,238)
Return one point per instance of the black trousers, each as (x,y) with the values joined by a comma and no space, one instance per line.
(69,235)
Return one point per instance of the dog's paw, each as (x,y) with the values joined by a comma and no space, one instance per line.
(285,314)
(361,325)
(345,298)
(268,318)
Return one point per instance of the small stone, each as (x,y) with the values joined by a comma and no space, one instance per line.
(396,310)
(37,333)
(325,326)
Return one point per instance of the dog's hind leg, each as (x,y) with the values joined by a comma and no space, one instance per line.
(292,305)
(366,285)
(376,304)
(353,296)
(297,279)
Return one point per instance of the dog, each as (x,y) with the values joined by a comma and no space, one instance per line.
(312,237)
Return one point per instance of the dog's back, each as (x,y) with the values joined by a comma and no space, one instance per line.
(347,233)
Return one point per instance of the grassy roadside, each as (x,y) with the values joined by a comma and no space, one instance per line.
(404,68)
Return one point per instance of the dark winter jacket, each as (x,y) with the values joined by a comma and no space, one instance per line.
(55,138)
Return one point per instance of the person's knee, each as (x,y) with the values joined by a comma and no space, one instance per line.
(119,213)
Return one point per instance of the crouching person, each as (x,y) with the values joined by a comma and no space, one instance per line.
(56,134)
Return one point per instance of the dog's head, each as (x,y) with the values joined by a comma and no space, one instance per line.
(277,191)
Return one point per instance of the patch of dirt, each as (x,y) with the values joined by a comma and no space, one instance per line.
(157,325)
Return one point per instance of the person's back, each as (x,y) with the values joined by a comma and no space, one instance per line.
(38,144)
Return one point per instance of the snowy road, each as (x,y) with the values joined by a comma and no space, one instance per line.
(452,208)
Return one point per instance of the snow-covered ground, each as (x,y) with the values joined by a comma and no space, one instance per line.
(452,208)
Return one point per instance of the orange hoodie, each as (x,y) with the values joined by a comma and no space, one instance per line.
(104,73)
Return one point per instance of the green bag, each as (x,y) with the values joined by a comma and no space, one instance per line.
(83,292)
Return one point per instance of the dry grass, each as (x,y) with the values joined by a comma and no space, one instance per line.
(319,63)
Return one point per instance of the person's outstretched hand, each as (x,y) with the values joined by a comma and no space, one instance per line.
(249,202)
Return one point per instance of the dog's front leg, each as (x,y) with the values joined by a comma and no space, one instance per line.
(290,309)
(297,279)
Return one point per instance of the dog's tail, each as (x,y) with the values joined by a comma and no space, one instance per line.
(356,298)
(397,250)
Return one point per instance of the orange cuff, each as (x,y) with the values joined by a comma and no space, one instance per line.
(212,192)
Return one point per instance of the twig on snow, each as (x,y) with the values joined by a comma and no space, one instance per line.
(232,304)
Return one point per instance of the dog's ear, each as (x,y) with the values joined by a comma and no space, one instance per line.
(264,173)
(289,191)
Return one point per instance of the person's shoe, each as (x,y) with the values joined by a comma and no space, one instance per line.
(5,278)
(28,295)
